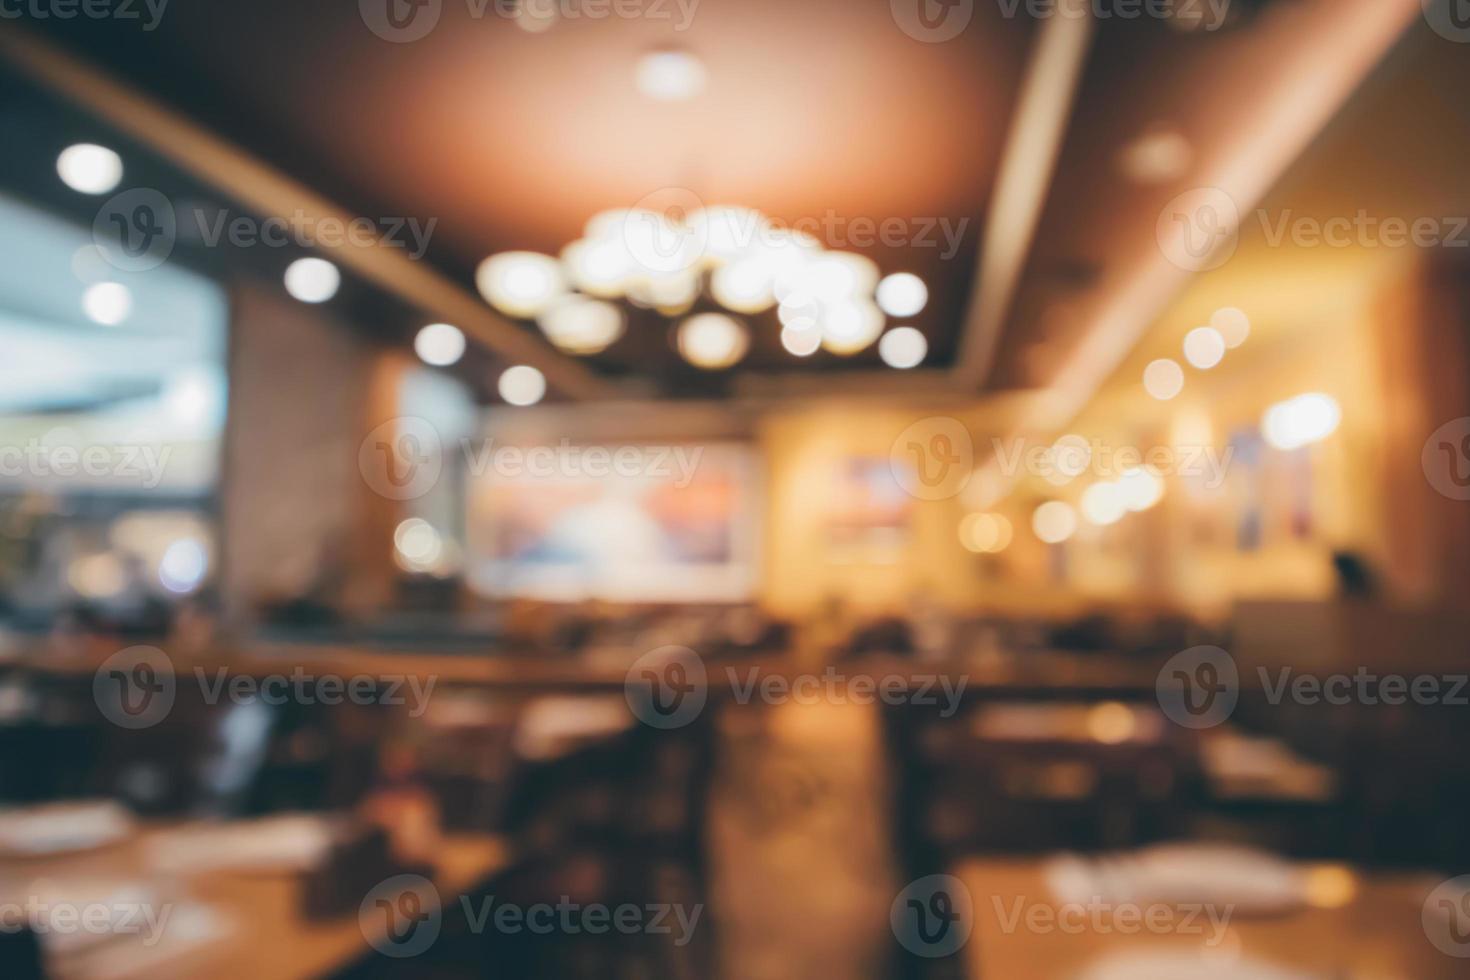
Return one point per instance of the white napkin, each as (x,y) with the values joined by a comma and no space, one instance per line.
(58,828)
(1248,880)
(269,845)
(1185,966)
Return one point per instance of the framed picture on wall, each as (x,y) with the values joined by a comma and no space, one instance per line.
(868,515)
(668,524)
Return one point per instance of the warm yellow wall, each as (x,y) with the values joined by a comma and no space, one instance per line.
(805,451)
(804,448)
(1321,322)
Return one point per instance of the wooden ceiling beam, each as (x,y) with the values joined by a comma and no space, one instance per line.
(260,187)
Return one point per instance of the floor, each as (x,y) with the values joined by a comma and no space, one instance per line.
(801,862)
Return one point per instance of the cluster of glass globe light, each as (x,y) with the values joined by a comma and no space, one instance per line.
(823,299)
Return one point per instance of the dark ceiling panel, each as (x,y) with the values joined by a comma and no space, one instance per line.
(822,111)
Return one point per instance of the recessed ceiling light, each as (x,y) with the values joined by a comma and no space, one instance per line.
(836,276)
(1070,456)
(1233,325)
(712,341)
(744,286)
(851,325)
(579,325)
(985,534)
(801,341)
(89,168)
(520,284)
(1054,521)
(1140,488)
(1103,503)
(1301,421)
(1163,379)
(107,303)
(522,385)
(671,76)
(312,280)
(1204,347)
(902,294)
(903,347)
(599,266)
(439,344)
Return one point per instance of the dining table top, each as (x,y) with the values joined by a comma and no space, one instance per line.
(230,923)
(1359,926)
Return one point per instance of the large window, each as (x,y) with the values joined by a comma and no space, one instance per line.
(112,408)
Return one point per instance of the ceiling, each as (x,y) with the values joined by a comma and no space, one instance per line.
(822,110)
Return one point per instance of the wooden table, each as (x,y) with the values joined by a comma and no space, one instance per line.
(1376,936)
(262,937)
